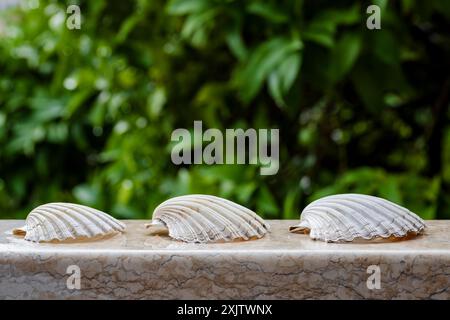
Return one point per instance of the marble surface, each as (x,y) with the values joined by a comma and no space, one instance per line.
(282,265)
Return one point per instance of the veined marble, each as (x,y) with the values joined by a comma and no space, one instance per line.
(282,265)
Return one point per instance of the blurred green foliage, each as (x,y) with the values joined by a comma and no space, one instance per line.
(86,115)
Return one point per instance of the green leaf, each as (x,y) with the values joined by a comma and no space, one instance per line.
(46,109)
(267,205)
(76,102)
(290,208)
(281,80)
(381,3)
(366,81)
(196,27)
(390,189)
(322,28)
(127,26)
(321,32)
(386,47)
(182,7)
(155,102)
(236,44)
(344,56)
(86,194)
(347,16)
(263,60)
(245,191)
(267,11)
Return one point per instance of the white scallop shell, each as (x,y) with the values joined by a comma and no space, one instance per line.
(346,217)
(67,221)
(205,218)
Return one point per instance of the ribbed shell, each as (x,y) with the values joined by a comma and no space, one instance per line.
(205,218)
(65,221)
(347,217)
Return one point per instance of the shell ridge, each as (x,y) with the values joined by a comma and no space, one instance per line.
(80,220)
(350,216)
(71,224)
(210,218)
(93,220)
(206,225)
(61,221)
(188,222)
(383,227)
(255,225)
(364,219)
(239,208)
(390,222)
(92,212)
(222,201)
(230,220)
(332,222)
(240,216)
(58,226)
(218,221)
(229,223)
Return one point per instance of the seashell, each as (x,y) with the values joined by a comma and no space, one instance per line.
(204,218)
(67,221)
(346,217)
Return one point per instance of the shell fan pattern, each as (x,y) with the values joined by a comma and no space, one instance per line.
(205,218)
(348,217)
(66,221)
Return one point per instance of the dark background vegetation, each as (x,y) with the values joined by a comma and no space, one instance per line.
(86,115)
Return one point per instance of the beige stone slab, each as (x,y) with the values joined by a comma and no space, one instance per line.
(138,265)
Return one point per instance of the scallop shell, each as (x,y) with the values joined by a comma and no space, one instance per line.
(205,218)
(347,217)
(67,221)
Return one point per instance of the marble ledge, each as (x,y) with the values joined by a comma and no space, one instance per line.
(138,265)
